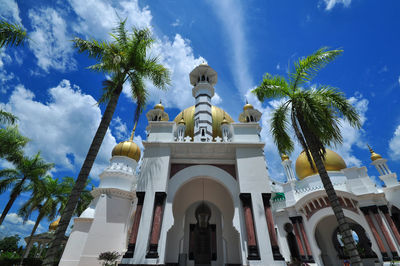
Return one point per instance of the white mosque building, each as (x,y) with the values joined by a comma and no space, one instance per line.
(204,197)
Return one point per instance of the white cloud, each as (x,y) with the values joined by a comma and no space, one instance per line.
(5,76)
(394,144)
(178,57)
(230,14)
(120,129)
(14,224)
(50,41)
(63,128)
(9,10)
(97,18)
(176,23)
(351,136)
(331,3)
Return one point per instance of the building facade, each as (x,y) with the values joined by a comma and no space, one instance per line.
(203,197)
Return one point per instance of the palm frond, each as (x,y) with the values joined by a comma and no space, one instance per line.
(93,48)
(7,118)
(11,34)
(279,129)
(272,87)
(305,69)
(157,73)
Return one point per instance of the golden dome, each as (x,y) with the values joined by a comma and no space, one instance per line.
(333,162)
(182,121)
(374,156)
(53,226)
(159,106)
(217,118)
(248,107)
(127,148)
(284,157)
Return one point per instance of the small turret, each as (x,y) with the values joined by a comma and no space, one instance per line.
(157,113)
(249,114)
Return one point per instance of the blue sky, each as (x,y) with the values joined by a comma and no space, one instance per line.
(46,83)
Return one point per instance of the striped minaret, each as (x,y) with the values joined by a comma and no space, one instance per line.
(203,78)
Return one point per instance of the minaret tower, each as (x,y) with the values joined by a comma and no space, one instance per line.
(389,178)
(287,166)
(203,78)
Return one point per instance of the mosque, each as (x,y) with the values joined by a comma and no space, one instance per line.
(204,197)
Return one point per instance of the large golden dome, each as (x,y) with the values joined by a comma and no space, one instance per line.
(217,117)
(333,162)
(127,148)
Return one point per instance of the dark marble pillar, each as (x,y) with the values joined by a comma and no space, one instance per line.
(365,211)
(135,226)
(252,247)
(156,225)
(271,227)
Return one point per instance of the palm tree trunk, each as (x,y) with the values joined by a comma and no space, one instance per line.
(13,197)
(344,227)
(79,186)
(38,220)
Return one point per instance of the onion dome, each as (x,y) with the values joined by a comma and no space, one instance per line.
(332,162)
(128,149)
(217,118)
(374,156)
(248,106)
(53,226)
(284,157)
(182,121)
(224,121)
(159,106)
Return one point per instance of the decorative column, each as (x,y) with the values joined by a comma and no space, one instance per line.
(365,211)
(385,211)
(156,226)
(298,237)
(385,232)
(305,239)
(251,235)
(271,227)
(135,226)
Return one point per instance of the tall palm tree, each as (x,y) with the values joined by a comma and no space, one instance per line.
(11,34)
(124,59)
(26,170)
(314,115)
(48,197)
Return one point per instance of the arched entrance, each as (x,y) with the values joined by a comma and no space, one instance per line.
(330,243)
(223,240)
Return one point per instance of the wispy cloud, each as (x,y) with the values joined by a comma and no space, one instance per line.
(331,3)
(230,13)
(176,23)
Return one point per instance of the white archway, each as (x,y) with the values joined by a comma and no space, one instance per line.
(185,189)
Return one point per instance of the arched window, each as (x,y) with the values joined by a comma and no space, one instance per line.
(208,80)
(203,78)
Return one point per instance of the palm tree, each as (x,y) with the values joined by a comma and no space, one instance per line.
(12,144)
(315,115)
(11,34)
(124,59)
(48,198)
(26,170)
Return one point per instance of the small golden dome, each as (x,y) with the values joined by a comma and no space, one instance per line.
(284,157)
(333,162)
(374,156)
(159,106)
(248,107)
(127,148)
(53,226)
(182,121)
(217,118)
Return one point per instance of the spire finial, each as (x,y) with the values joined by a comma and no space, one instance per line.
(370,149)
(374,155)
